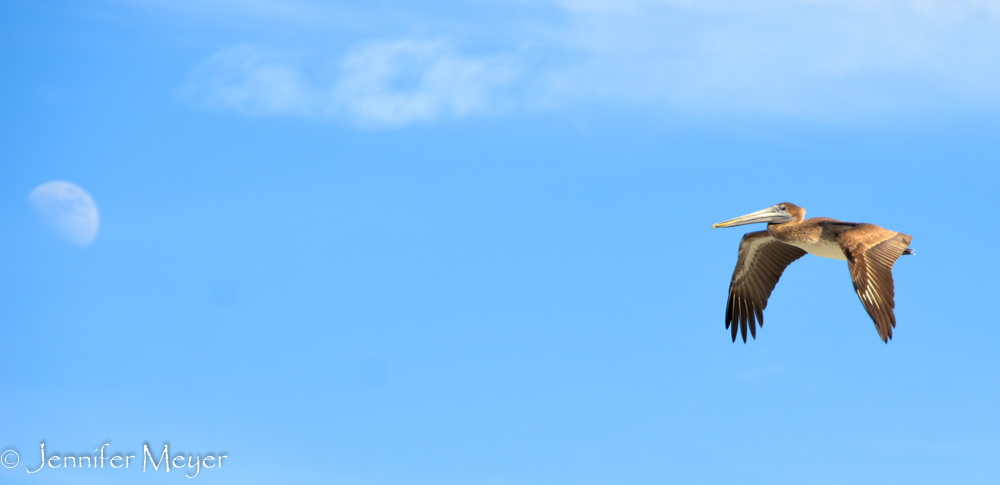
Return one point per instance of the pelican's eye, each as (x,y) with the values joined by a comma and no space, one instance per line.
(782,207)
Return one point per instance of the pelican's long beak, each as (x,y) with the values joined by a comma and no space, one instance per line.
(771,215)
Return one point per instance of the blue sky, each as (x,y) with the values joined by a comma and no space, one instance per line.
(468,242)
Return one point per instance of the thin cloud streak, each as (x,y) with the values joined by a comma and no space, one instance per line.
(801,58)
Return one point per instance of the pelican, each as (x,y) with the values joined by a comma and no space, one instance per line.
(870,252)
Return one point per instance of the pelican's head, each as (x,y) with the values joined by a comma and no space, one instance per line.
(776,214)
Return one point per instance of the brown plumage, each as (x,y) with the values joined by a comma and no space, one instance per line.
(869,250)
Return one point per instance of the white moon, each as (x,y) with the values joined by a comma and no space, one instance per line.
(67,210)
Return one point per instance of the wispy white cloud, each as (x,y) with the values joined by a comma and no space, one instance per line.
(252,80)
(406,81)
(802,58)
(380,83)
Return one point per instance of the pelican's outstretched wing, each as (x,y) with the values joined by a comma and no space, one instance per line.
(871,251)
(762,260)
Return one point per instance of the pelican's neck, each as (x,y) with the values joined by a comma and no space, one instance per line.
(783,231)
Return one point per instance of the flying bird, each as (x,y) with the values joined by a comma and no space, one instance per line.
(870,252)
